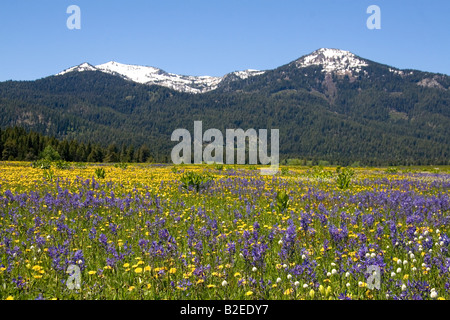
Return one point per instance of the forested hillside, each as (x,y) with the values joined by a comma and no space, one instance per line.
(378,116)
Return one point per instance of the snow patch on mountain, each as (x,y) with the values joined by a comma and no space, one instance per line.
(154,76)
(336,61)
(431,83)
(395,71)
(80,68)
(247,73)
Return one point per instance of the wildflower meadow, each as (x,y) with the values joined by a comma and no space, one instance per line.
(149,231)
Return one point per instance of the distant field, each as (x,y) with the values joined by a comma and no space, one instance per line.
(149,231)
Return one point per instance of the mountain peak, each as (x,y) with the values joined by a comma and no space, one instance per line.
(82,67)
(336,61)
(154,76)
(330,52)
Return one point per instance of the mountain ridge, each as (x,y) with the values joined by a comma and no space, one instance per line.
(152,75)
(332,61)
(341,112)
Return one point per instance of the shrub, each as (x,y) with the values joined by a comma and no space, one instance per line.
(121,165)
(100,173)
(41,164)
(282,201)
(197,181)
(61,164)
(344,177)
(50,154)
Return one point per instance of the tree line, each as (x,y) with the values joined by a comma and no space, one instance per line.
(18,144)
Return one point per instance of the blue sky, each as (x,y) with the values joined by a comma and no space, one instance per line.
(214,37)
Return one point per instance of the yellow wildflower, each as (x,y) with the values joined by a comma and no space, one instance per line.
(288,291)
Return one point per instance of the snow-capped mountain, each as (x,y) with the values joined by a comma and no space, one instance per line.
(331,61)
(339,62)
(336,61)
(151,75)
(155,76)
(80,68)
